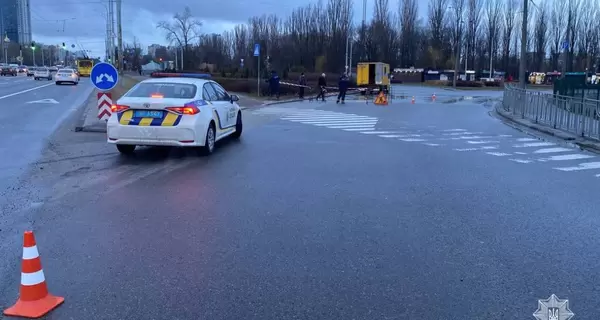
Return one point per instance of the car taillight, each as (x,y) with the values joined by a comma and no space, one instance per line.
(156,95)
(184,110)
(116,108)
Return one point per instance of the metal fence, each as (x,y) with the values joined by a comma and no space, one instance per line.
(575,115)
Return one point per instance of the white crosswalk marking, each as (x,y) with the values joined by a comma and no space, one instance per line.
(412,140)
(460,133)
(552,150)
(534,144)
(328,119)
(454,130)
(565,157)
(582,166)
(527,139)
(380,132)
(482,142)
(498,154)
(521,160)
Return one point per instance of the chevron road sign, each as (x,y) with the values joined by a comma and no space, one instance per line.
(104,103)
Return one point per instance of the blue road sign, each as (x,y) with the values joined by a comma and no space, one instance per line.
(257,49)
(565,45)
(104,76)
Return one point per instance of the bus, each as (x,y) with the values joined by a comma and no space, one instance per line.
(85,67)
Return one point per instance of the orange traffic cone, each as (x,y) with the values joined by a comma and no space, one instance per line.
(34,299)
(412,100)
(433,97)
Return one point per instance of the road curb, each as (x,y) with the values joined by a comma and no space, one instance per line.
(578,141)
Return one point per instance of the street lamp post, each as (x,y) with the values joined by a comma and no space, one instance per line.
(6,43)
(33,53)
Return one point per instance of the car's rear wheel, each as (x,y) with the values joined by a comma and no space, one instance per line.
(126,149)
(239,126)
(209,141)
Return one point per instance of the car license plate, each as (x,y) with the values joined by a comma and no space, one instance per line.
(147,114)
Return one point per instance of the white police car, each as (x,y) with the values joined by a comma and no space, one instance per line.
(176,111)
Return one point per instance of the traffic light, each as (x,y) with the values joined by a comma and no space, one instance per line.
(64,46)
(32,45)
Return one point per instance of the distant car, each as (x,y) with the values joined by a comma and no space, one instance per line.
(42,73)
(22,69)
(8,71)
(30,71)
(66,76)
(53,69)
(174,112)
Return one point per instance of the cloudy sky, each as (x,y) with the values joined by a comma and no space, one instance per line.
(83,22)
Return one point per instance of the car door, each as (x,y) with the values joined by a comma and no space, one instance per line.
(227,103)
(219,107)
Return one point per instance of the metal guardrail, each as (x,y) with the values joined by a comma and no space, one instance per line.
(571,114)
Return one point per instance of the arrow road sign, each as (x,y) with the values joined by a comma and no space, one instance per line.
(257,49)
(104,76)
(52,101)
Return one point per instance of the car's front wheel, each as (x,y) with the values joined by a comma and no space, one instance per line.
(126,149)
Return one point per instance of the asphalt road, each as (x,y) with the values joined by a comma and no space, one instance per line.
(26,122)
(321,211)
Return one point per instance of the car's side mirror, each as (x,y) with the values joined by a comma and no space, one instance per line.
(234,98)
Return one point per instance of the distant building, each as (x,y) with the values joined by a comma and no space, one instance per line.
(152,49)
(15,20)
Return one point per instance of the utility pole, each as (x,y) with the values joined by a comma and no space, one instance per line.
(111,31)
(522,63)
(119,36)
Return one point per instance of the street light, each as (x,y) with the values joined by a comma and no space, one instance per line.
(6,42)
(33,52)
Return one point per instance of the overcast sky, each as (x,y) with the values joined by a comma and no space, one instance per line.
(85,20)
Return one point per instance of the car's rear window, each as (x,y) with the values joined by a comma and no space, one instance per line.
(164,90)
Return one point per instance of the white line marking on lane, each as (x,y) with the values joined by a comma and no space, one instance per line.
(552,150)
(482,142)
(28,90)
(566,157)
(467,149)
(432,144)
(520,160)
(534,144)
(360,129)
(521,153)
(460,133)
(527,139)
(454,130)
(381,132)
(581,166)
(498,154)
(412,140)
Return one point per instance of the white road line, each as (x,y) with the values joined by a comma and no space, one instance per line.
(336,121)
(521,153)
(498,154)
(527,139)
(467,149)
(471,137)
(412,140)
(460,133)
(581,166)
(381,132)
(360,129)
(520,160)
(432,144)
(454,130)
(566,157)
(488,147)
(351,126)
(534,144)
(552,150)
(327,124)
(391,135)
(28,90)
(482,142)
(504,136)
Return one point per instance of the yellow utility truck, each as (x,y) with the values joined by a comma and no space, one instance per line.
(373,77)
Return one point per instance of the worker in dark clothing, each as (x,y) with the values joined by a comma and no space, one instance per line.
(302,82)
(322,85)
(274,84)
(343,85)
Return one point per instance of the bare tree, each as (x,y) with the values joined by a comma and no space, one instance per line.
(508,28)
(408,13)
(573,15)
(541,36)
(557,31)
(494,20)
(472,29)
(437,25)
(183,30)
(457,21)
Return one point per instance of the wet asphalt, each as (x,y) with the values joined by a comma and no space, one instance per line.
(410,218)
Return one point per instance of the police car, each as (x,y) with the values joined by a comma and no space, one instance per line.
(174,111)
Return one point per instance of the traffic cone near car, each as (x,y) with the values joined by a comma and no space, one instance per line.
(34,300)
(412,100)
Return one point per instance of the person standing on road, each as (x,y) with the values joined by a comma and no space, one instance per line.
(274,84)
(343,87)
(302,83)
(322,85)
